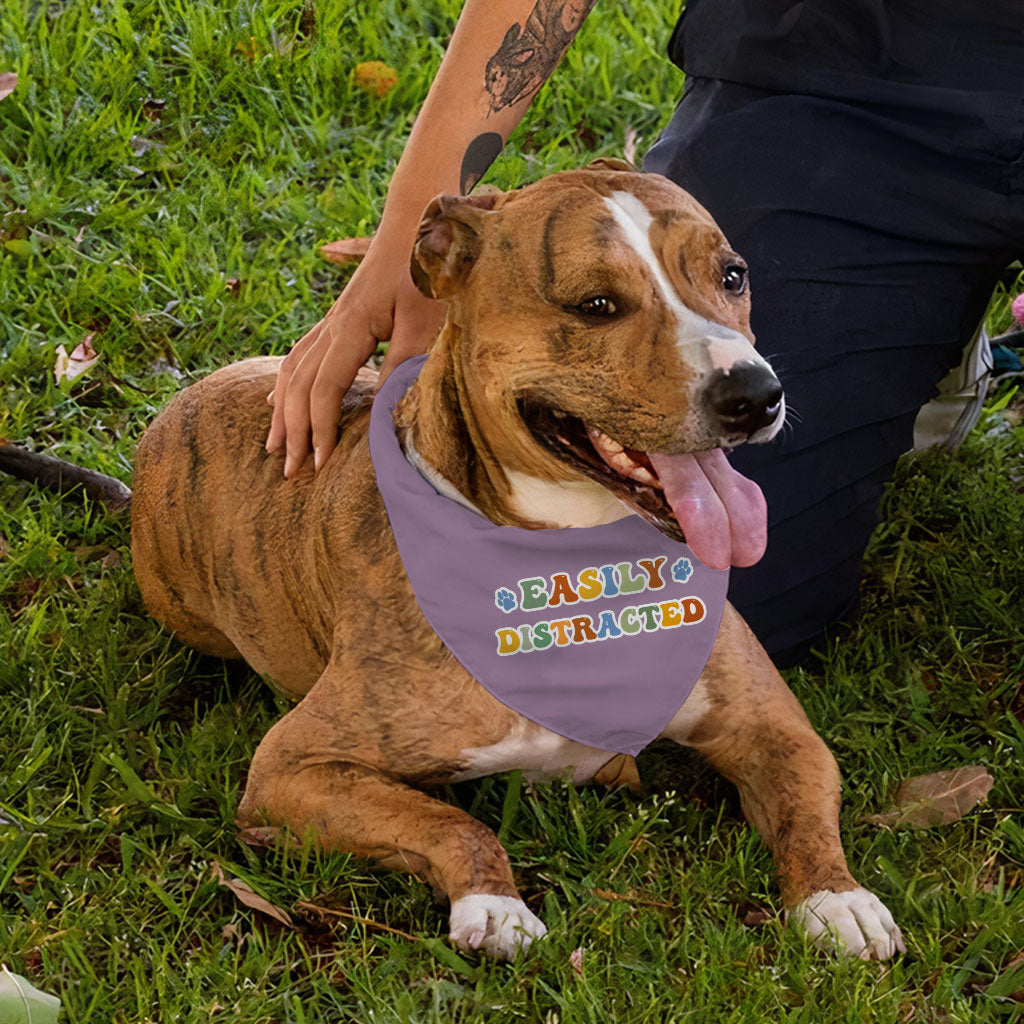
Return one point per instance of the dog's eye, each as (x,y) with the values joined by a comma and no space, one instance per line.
(597,305)
(734,278)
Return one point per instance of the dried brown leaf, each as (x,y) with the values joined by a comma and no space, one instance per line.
(936,799)
(259,835)
(576,961)
(375,77)
(8,81)
(755,917)
(346,250)
(244,894)
(68,367)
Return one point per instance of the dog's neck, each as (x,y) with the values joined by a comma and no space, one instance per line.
(445,441)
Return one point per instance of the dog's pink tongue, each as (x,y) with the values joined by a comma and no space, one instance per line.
(723,515)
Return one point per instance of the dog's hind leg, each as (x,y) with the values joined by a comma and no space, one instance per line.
(751,728)
(354,807)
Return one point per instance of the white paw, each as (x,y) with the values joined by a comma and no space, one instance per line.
(855,922)
(501,926)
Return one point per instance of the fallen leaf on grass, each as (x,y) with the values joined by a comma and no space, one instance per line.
(244,894)
(22,1003)
(576,961)
(259,835)
(68,367)
(8,81)
(346,250)
(936,799)
(4,547)
(374,76)
(754,917)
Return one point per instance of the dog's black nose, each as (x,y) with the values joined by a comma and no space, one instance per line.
(745,399)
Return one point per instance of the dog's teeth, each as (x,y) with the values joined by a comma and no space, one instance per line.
(643,475)
(615,456)
(603,442)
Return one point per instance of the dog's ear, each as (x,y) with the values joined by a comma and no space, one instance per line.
(449,242)
(610,163)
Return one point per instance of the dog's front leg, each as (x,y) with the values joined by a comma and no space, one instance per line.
(747,723)
(299,779)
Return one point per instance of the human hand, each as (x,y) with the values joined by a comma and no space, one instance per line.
(380,303)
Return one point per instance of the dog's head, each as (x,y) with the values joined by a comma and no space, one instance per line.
(600,323)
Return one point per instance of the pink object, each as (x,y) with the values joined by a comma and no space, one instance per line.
(1018,308)
(723,515)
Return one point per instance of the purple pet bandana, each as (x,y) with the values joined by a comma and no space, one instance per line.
(596,633)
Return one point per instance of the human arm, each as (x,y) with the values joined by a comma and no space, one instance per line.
(499,56)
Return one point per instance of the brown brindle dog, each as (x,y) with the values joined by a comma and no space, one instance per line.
(593,317)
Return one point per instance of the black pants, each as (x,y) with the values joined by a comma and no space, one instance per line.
(874,237)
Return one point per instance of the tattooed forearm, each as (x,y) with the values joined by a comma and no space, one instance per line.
(529,52)
(527,56)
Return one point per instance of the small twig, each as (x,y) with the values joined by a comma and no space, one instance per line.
(607,894)
(348,915)
(62,477)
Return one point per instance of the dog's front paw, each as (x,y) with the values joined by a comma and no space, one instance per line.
(501,926)
(855,922)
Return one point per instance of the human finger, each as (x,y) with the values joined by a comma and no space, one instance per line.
(276,434)
(334,377)
(296,407)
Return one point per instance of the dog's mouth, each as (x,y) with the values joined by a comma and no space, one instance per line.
(695,497)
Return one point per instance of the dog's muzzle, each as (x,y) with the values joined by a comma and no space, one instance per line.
(743,400)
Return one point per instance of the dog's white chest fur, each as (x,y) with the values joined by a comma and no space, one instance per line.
(542,755)
(539,753)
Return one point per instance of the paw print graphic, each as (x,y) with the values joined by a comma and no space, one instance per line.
(505,599)
(682,570)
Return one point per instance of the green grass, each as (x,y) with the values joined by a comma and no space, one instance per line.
(154,151)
